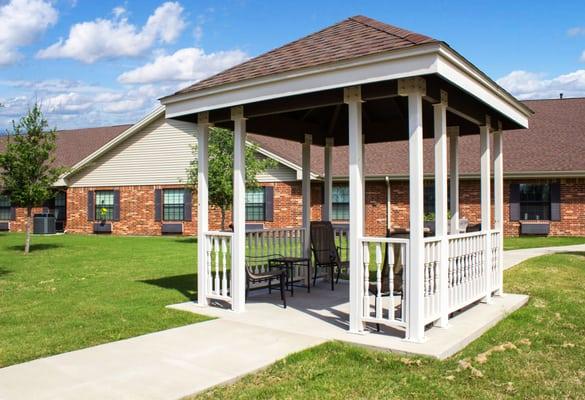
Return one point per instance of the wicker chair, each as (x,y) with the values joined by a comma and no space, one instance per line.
(324,250)
(276,273)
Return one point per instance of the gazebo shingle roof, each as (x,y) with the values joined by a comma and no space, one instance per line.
(352,38)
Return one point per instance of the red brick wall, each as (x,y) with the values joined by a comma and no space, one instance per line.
(136,212)
(137,208)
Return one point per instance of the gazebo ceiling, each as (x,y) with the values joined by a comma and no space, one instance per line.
(385,114)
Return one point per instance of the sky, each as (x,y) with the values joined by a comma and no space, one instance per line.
(96,63)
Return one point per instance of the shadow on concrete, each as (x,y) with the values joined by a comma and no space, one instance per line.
(185,284)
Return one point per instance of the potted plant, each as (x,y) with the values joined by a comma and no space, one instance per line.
(102,226)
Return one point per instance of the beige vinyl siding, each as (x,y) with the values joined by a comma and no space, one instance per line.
(280,173)
(159,154)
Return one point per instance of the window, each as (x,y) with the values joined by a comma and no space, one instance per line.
(104,205)
(340,203)
(173,205)
(534,201)
(429,199)
(5,212)
(60,206)
(255,204)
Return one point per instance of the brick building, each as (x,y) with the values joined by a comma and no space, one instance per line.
(128,179)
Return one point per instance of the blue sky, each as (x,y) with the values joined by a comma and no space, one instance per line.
(100,63)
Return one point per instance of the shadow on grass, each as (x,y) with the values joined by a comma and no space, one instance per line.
(573,253)
(35,247)
(4,271)
(187,240)
(185,284)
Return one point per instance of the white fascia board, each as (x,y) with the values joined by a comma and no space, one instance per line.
(416,61)
(468,176)
(463,74)
(152,116)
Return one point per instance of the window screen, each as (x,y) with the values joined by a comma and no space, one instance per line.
(255,204)
(173,204)
(340,202)
(104,205)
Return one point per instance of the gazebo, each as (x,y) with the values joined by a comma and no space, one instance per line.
(362,81)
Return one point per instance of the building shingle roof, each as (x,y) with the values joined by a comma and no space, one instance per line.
(354,37)
(76,144)
(554,143)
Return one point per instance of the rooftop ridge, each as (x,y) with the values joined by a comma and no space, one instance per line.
(371,23)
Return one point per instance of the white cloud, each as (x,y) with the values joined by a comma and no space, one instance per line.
(21,23)
(190,64)
(113,38)
(75,104)
(530,85)
(576,31)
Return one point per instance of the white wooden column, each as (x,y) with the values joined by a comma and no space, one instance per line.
(353,99)
(454,178)
(238,288)
(441,220)
(484,138)
(499,199)
(306,191)
(415,89)
(328,184)
(202,204)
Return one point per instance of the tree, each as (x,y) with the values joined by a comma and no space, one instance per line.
(27,173)
(221,163)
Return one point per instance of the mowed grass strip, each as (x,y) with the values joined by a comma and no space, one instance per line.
(537,352)
(75,291)
(529,242)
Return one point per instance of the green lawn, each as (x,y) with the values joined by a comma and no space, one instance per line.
(537,352)
(527,242)
(77,291)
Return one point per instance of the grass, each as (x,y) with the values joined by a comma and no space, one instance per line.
(528,242)
(72,291)
(537,352)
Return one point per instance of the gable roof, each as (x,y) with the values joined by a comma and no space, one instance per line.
(553,145)
(75,144)
(351,38)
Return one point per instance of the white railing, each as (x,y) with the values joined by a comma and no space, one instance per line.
(496,267)
(467,274)
(383,290)
(218,250)
(432,276)
(264,244)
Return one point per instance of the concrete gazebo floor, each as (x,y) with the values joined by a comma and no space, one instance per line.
(324,314)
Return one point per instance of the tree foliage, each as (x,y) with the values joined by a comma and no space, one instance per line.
(27,171)
(221,164)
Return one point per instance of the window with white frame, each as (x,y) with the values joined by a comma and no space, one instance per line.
(340,202)
(255,204)
(104,205)
(173,204)
(5,208)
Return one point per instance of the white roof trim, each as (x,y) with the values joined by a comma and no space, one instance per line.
(432,58)
(283,161)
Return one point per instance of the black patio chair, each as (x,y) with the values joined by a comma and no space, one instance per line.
(271,273)
(325,251)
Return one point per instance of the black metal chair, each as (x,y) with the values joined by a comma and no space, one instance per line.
(270,274)
(325,251)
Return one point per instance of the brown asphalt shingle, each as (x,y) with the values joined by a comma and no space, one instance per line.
(76,144)
(354,37)
(554,142)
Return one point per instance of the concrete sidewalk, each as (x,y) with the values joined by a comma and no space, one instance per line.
(181,361)
(165,365)
(515,257)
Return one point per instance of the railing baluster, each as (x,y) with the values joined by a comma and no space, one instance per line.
(366,297)
(378,281)
(224,289)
